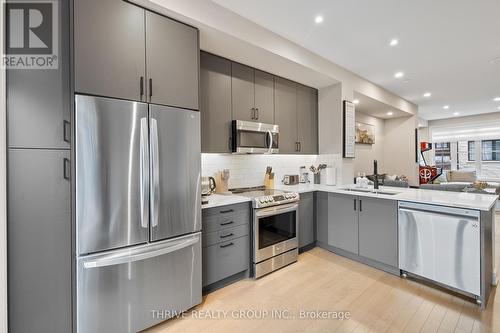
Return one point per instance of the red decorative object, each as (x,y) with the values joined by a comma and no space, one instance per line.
(427,173)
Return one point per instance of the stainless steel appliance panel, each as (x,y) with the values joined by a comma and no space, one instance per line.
(250,137)
(132,289)
(441,244)
(112,173)
(175,172)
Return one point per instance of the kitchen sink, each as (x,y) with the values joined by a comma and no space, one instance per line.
(370,191)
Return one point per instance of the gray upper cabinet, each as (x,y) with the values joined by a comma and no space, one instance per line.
(39,247)
(38,101)
(378,230)
(286,114)
(215,108)
(243,94)
(264,97)
(172,55)
(343,222)
(307,119)
(252,94)
(306,219)
(109,48)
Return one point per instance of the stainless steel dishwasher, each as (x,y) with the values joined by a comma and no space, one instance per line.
(441,244)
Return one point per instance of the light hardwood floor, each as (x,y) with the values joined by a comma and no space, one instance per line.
(322,281)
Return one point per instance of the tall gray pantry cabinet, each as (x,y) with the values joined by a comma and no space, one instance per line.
(106,48)
(39,250)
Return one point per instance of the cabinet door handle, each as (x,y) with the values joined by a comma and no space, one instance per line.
(226,236)
(227,245)
(354,204)
(66,169)
(360,205)
(150,88)
(256,113)
(227,223)
(300,146)
(66,136)
(141,86)
(252,113)
(226,211)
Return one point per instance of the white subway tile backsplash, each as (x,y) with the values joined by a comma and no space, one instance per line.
(249,170)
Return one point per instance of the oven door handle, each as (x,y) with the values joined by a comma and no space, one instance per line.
(275,210)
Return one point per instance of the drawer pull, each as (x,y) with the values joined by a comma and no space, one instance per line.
(227,245)
(226,211)
(226,236)
(227,223)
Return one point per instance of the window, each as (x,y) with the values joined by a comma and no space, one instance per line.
(442,155)
(490,150)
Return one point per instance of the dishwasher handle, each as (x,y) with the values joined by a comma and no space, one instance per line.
(472,218)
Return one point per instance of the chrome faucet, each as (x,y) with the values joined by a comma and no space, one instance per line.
(375,175)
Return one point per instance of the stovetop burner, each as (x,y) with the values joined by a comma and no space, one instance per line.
(263,197)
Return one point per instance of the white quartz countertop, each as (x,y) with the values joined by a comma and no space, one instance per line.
(217,200)
(442,198)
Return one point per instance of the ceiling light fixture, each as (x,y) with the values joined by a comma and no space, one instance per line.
(456,113)
(318,19)
(427,95)
(399,75)
(496,99)
(390,113)
(356,101)
(446,107)
(393,42)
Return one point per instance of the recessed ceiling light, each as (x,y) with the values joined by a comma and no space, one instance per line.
(399,75)
(496,99)
(356,101)
(394,42)
(390,113)
(318,19)
(427,95)
(446,107)
(456,113)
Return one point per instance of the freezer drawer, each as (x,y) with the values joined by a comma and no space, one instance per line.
(441,244)
(132,289)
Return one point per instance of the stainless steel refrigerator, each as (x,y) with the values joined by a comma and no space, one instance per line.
(138,241)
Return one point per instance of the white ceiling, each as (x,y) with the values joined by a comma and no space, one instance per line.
(445,46)
(377,109)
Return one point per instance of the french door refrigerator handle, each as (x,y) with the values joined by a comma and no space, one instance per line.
(155,172)
(143,254)
(144,173)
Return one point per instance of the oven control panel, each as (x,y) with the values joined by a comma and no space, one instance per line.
(273,200)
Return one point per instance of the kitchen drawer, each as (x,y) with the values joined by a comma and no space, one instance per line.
(225,259)
(227,217)
(225,210)
(225,235)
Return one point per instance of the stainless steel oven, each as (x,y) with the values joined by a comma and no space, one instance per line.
(253,138)
(275,238)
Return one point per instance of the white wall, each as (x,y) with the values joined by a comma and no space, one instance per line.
(3,189)
(249,170)
(366,153)
(399,148)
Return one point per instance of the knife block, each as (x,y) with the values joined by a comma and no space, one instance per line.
(269,181)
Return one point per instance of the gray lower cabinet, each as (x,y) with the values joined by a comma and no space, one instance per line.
(39,241)
(378,230)
(38,100)
(226,244)
(321,217)
(215,107)
(109,48)
(306,219)
(285,115)
(172,55)
(343,222)
(307,119)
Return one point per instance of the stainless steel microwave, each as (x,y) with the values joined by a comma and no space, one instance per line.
(254,138)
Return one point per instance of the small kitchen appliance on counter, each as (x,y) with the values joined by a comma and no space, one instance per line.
(290,179)
(208,186)
(275,226)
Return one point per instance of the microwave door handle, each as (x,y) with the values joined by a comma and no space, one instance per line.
(144,173)
(270,141)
